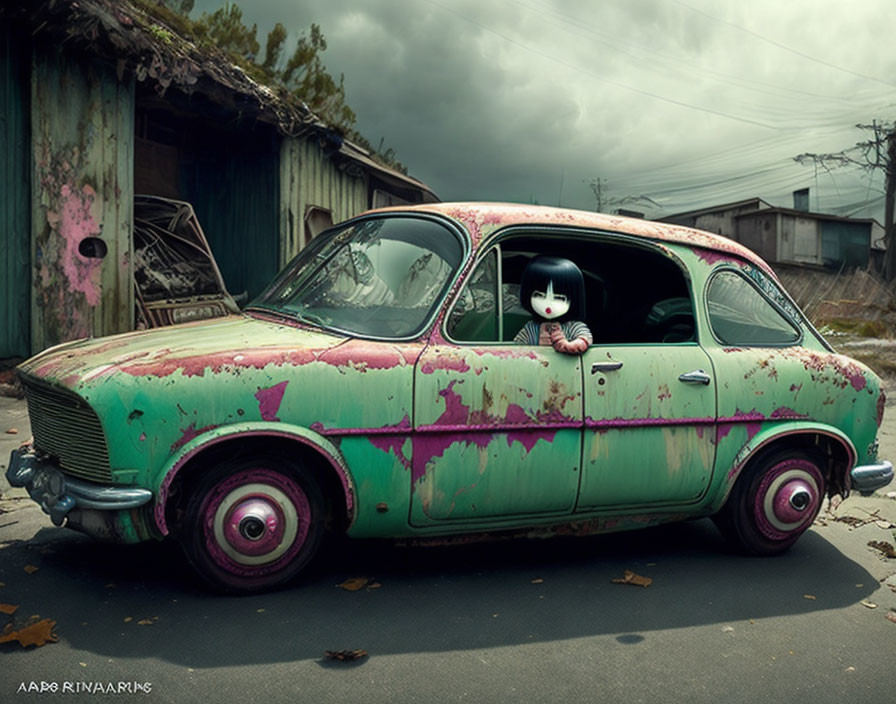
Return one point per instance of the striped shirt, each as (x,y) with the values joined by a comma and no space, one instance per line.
(531,333)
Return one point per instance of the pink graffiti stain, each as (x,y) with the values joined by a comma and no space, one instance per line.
(269,400)
(75,222)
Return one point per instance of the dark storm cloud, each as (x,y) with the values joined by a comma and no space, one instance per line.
(506,99)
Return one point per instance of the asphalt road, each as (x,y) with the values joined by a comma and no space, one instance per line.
(528,621)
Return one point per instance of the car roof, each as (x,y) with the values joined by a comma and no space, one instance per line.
(475,216)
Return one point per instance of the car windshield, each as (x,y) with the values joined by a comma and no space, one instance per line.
(376,278)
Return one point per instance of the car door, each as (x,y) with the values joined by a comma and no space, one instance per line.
(649,425)
(497,427)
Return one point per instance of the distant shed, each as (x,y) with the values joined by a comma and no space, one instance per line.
(789,235)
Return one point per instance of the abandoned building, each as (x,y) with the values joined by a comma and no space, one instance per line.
(101,102)
(792,236)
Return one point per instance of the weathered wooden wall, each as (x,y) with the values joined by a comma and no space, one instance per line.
(309,178)
(82,120)
(232,183)
(15,198)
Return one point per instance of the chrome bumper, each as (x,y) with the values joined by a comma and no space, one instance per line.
(867,478)
(58,494)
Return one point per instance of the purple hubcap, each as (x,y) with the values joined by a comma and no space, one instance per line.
(254,526)
(787,499)
(793,500)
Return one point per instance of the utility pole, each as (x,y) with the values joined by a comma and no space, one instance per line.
(889,224)
(597,187)
(878,153)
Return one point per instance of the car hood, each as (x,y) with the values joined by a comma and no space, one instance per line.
(191,349)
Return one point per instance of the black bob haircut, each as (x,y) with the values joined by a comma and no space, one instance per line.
(567,279)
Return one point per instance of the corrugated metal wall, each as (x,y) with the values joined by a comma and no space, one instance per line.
(82,121)
(846,244)
(234,188)
(308,178)
(15,198)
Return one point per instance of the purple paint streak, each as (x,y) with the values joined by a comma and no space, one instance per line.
(189,434)
(269,400)
(444,363)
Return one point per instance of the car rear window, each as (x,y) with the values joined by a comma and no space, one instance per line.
(740,315)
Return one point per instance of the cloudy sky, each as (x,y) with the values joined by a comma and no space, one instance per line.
(686,103)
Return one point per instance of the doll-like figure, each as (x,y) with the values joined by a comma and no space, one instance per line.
(553,291)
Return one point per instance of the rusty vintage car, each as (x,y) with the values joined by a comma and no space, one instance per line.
(375,388)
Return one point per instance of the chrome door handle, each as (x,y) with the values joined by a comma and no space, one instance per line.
(698,376)
(605,367)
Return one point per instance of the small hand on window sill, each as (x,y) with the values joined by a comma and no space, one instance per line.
(561,344)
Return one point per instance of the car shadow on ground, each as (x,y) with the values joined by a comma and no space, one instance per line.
(142,601)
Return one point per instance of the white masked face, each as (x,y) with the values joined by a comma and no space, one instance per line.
(549,305)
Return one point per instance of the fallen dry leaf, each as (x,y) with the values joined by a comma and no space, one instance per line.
(8,609)
(2,584)
(868,604)
(374,585)
(632,578)
(128,619)
(31,569)
(354,584)
(890,616)
(36,634)
(538,581)
(809,596)
(886,549)
(345,655)
(12,431)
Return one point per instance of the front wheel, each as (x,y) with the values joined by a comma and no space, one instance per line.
(253,524)
(773,503)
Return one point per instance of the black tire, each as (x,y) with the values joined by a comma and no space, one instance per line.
(253,524)
(773,502)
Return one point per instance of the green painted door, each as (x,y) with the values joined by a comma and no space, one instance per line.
(497,433)
(649,427)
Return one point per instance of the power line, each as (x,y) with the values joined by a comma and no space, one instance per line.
(779,45)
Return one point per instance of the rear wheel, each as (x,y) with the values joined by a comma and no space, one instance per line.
(773,503)
(253,524)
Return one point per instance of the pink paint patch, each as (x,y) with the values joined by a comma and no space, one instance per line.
(75,223)
(444,363)
(269,400)
(752,430)
(787,413)
(455,413)
(393,444)
(723,430)
(189,434)
(714,257)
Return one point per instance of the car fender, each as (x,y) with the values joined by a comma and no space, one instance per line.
(770,433)
(305,436)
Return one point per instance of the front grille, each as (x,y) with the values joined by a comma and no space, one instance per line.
(67,428)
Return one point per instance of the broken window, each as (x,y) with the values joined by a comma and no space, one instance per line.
(316,221)
(741,315)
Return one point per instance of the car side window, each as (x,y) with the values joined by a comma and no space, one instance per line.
(474,316)
(740,315)
(633,294)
